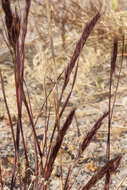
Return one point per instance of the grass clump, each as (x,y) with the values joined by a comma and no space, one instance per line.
(37,174)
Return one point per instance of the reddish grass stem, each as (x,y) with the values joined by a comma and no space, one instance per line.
(113,66)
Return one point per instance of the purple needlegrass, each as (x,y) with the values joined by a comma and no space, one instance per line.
(45,155)
(90,135)
(110,166)
(57,145)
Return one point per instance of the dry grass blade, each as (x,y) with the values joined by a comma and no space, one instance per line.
(110,166)
(57,145)
(46,98)
(114,57)
(63,108)
(122,181)
(69,95)
(87,30)
(8,112)
(67,179)
(12,130)
(31,121)
(90,135)
(51,39)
